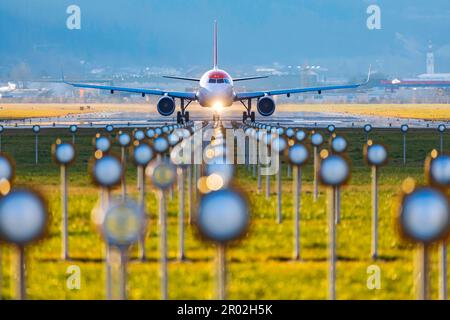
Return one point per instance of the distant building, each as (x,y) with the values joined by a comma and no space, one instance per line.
(429,79)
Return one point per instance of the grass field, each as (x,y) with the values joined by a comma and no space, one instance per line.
(412,111)
(260,267)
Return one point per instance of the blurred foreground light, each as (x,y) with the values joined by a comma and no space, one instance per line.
(64,153)
(317,139)
(103,144)
(160,145)
(107,171)
(439,170)
(290,132)
(124,139)
(278,144)
(300,135)
(139,135)
(425,215)
(23,217)
(223,216)
(150,133)
(376,155)
(214,182)
(123,224)
(339,144)
(6,168)
(298,154)
(162,174)
(142,154)
(334,170)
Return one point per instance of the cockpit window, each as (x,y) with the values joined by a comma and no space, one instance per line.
(212,81)
(226,80)
(220,80)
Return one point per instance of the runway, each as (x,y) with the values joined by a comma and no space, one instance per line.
(282,118)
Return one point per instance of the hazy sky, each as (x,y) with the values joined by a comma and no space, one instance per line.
(131,33)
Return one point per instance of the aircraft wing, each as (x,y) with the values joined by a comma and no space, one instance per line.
(259,94)
(182,78)
(142,91)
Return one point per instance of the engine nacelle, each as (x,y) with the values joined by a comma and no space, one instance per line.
(166,106)
(266,106)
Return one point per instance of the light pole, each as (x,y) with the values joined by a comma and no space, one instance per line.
(404,129)
(334,172)
(106,173)
(424,217)
(124,140)
(338,146)
(64,155)
(142,155)
(316,141)
(122,226)
(220,225)
(73,130)
(23,220)
(437,169)
(376,156)
(162,175)
(298,156)
(36,130)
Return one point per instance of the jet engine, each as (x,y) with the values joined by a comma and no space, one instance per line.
(166,106)
(266,106)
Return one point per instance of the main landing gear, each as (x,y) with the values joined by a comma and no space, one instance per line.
(183,115)
(248,114)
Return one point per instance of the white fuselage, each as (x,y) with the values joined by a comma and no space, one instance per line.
(216,89)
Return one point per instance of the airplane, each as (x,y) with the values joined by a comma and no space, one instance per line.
(10,87)
(216,90)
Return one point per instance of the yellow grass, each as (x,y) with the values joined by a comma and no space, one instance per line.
(414,111)
(31,110)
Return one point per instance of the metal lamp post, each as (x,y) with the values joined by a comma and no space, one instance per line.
(404,129)
(437,169)
(279,145)
(23,220)
(376,156)
(73,130)
(124,140)
(367,130)
(316,141)
(339,145)
(441,129)
(424,217)
(162,175)
(2,129)
(36,129)
(106,173)
(220,225)
(334,172)
(142,155)
(298,156)
(122,226)
(64,155)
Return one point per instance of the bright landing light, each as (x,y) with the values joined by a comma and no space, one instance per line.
(218,106)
